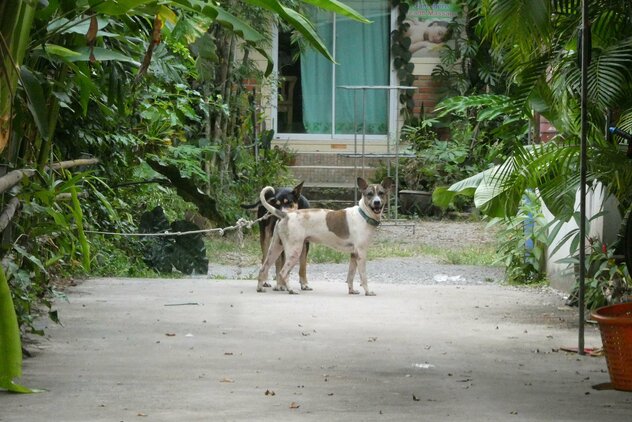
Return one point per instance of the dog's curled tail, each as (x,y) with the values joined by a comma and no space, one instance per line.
(275,212)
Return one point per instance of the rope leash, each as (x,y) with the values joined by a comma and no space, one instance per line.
(239,226)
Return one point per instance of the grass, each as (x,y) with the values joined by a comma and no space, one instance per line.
(225,250)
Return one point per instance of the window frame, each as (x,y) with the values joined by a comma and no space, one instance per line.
(392,102)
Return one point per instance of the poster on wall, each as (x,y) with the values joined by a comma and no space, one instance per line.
(429,26)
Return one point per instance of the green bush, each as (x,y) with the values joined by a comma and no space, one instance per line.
(523,242)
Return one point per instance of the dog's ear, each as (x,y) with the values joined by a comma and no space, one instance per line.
(362,184)
(388,183)
(298,188)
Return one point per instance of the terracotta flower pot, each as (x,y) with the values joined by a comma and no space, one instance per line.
(615,325)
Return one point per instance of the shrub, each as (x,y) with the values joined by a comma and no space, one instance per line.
(523,242)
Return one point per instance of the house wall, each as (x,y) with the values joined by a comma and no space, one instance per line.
(427,95)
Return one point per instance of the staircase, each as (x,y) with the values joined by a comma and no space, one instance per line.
(330,178)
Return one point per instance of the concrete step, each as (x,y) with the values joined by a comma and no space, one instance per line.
(315,175)
(331,159)
(330,178)
(330,195)
(329,192)
(333,204)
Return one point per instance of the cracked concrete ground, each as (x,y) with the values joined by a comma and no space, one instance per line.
(198,349)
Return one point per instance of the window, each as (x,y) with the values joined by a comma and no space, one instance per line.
(312,100)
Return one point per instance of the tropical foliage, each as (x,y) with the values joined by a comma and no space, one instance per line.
(538,46)
(483,129)
(154,90)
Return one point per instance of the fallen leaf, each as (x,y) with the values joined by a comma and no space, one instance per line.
(270,393)
(141,414)
(228,353)
(170,334)
(372,339)
(294,405)
(226,380)
(415,398)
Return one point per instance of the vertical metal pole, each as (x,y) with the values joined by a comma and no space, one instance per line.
(388,133)
(363,126)
(397,166)
(355,144)
(254,124)
(585,51)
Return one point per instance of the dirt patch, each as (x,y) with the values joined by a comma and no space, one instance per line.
(438,233)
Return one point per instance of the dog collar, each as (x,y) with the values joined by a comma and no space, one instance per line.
(371,221)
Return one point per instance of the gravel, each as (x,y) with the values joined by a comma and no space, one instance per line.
(421,270)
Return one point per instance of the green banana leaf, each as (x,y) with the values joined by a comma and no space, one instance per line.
(10,345)
(303,25)
(251,36)
(491,195)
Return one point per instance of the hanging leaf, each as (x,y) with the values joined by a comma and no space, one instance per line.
(91,36)
(36,103)
(155,40)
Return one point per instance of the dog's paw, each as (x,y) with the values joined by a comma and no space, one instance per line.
(266,284)
(260,290)
(369,294)
(279,288)
(306,287)
(292,292)
(354,292)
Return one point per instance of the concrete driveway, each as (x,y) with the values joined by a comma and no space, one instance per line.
(215,350)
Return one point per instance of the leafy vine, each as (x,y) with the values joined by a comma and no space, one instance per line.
(400,52)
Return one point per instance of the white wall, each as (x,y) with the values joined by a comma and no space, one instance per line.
(604,227)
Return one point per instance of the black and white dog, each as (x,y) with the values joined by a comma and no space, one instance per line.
(284,199)
(348,230)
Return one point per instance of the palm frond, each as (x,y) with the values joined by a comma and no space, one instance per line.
(565,7)
(608,72)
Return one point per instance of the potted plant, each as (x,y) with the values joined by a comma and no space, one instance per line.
(607,278)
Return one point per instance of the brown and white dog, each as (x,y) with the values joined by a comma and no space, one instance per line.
(348,230)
